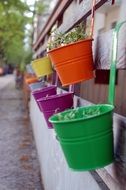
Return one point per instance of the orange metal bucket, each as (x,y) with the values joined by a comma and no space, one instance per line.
(73,62)
(31,80)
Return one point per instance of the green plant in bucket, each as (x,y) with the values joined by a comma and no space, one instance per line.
(61,39)
(74,114)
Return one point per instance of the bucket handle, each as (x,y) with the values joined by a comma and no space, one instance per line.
(92,18)
(56,110)
(111,92)
(71,87)
(56,80)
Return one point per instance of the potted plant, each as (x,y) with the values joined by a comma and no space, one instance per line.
(85,135)
(42,66)
(55,104)
(72,52)
(43,92)
(31,79)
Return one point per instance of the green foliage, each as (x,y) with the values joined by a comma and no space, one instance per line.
(28,56)
(13,31)
(61,39)
(76,114)
(41,7)
(10,5)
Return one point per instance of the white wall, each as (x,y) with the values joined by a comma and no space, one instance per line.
(98,24)
(55,172)
(122,15)
(111,17)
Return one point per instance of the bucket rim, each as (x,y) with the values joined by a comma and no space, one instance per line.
(44,73)
(44,89)
(92,168)
(71,44)
(55,96)
(111,108)
(39,82)
(41,59)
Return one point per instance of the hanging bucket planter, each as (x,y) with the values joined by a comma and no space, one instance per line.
(86,134)
(76,57)
(79,120)
(54,104)
(42,66)
(44,92)
(37,85)
(31,80)
(89,154)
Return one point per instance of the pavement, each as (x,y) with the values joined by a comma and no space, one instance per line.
(19,166)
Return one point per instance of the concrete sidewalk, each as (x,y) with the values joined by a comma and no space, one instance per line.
(19,167)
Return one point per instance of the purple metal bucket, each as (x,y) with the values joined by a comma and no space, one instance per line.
(44,92)
(55,104)
(47,115)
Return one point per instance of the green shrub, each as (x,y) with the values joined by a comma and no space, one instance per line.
(61,39)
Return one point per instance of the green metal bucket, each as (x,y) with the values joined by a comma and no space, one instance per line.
(90,153)
(83,124)
(86,133)
(86,140)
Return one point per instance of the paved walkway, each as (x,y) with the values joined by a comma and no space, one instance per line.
(19,167)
